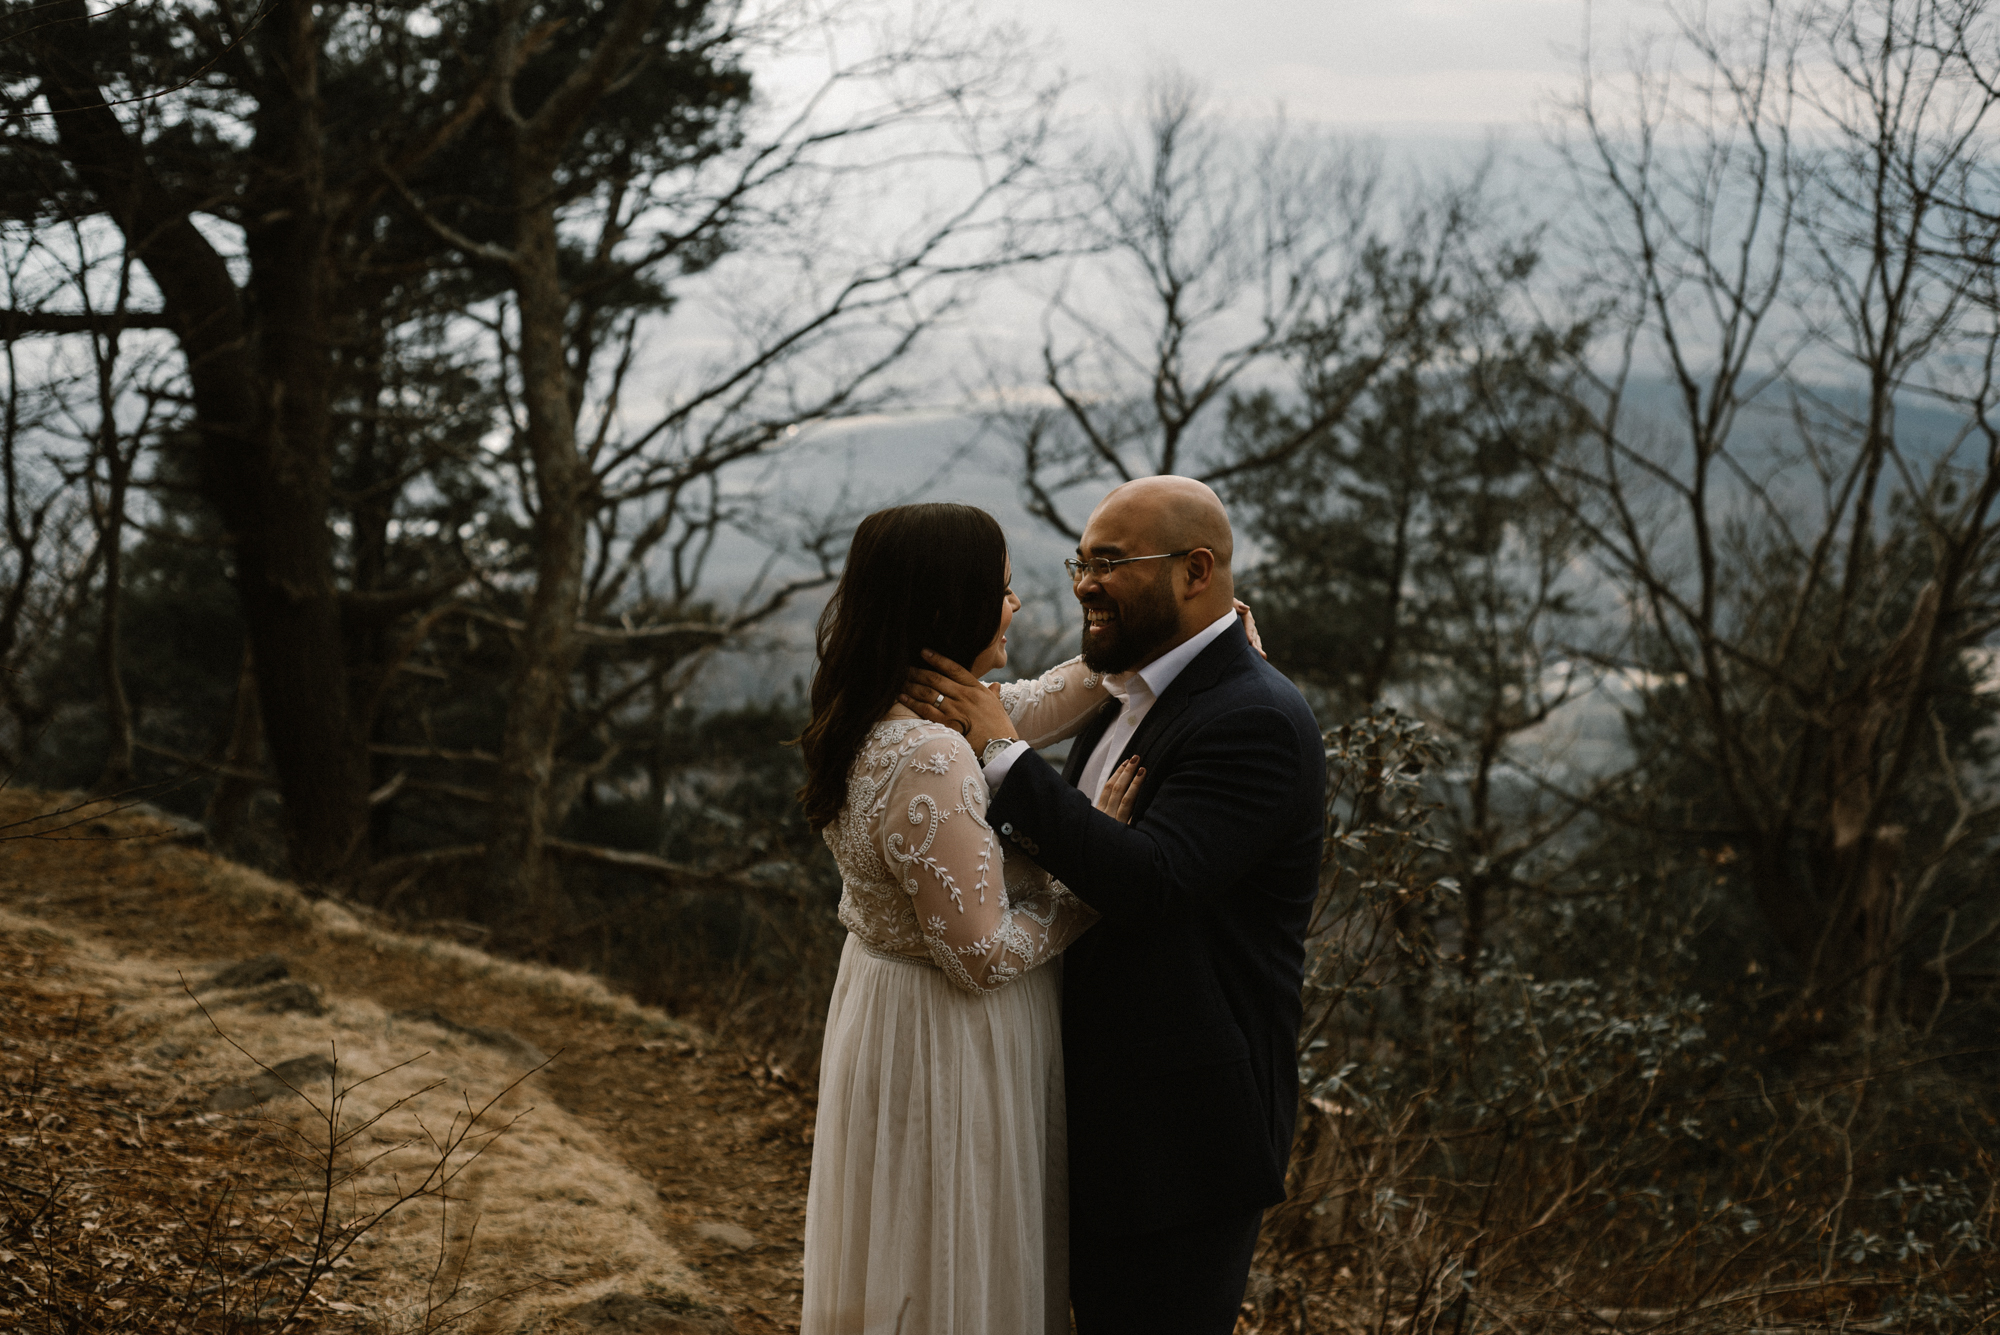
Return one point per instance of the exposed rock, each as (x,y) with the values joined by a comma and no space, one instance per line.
(299,1073)
(505,1039)
(733,1236)
(459,930)
(252,972)
(284,998)
(180,829)
(648,1316)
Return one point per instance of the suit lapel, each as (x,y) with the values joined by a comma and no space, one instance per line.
(1087,740)
(1196,677)
(1207,668)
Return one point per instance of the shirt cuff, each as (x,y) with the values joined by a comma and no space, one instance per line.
(996,770)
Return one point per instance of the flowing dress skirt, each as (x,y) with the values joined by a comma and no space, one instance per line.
(938,1203)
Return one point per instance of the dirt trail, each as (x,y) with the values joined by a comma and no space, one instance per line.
(724,1140)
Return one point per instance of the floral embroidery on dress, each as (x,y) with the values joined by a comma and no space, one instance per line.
(1039,709)
(918,859)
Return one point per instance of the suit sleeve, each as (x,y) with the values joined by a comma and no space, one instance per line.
(1234,788)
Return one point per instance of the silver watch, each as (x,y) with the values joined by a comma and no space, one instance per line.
(992,750)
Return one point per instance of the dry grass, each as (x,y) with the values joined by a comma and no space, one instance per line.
(639,1132)
(525,1196)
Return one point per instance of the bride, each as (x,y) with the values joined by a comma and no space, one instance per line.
(937,1201)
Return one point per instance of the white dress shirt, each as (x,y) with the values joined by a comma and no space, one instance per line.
(1136,691)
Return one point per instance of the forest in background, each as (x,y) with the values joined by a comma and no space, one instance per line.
(379,380)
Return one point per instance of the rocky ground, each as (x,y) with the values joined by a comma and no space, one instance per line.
(649,1179)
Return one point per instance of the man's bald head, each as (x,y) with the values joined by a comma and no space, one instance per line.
(1176,514)
(1149,602)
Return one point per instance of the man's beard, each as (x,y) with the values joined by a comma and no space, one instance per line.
(1146,621)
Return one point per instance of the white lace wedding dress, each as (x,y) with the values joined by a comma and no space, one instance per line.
(938,1202)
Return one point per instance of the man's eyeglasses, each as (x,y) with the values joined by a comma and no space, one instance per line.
(1100,566)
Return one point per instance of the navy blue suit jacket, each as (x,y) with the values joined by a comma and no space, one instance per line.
(1181,1007)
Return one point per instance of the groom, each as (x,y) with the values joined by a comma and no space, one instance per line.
(1181,1007)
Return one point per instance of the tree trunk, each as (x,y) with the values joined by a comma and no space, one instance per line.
(517,874)
(278,490)
(116,776)
(260,390)
(373,467)
(1480,878)
(229,805)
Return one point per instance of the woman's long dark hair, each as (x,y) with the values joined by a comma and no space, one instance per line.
(918,577)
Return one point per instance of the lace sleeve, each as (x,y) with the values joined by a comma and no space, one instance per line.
(934,839)
(1054,705)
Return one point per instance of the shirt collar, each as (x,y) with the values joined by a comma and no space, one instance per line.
(1150,682)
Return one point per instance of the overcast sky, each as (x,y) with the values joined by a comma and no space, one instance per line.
(1430,80)
(1427,65)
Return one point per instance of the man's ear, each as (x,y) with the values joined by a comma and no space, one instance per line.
(1200,572)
